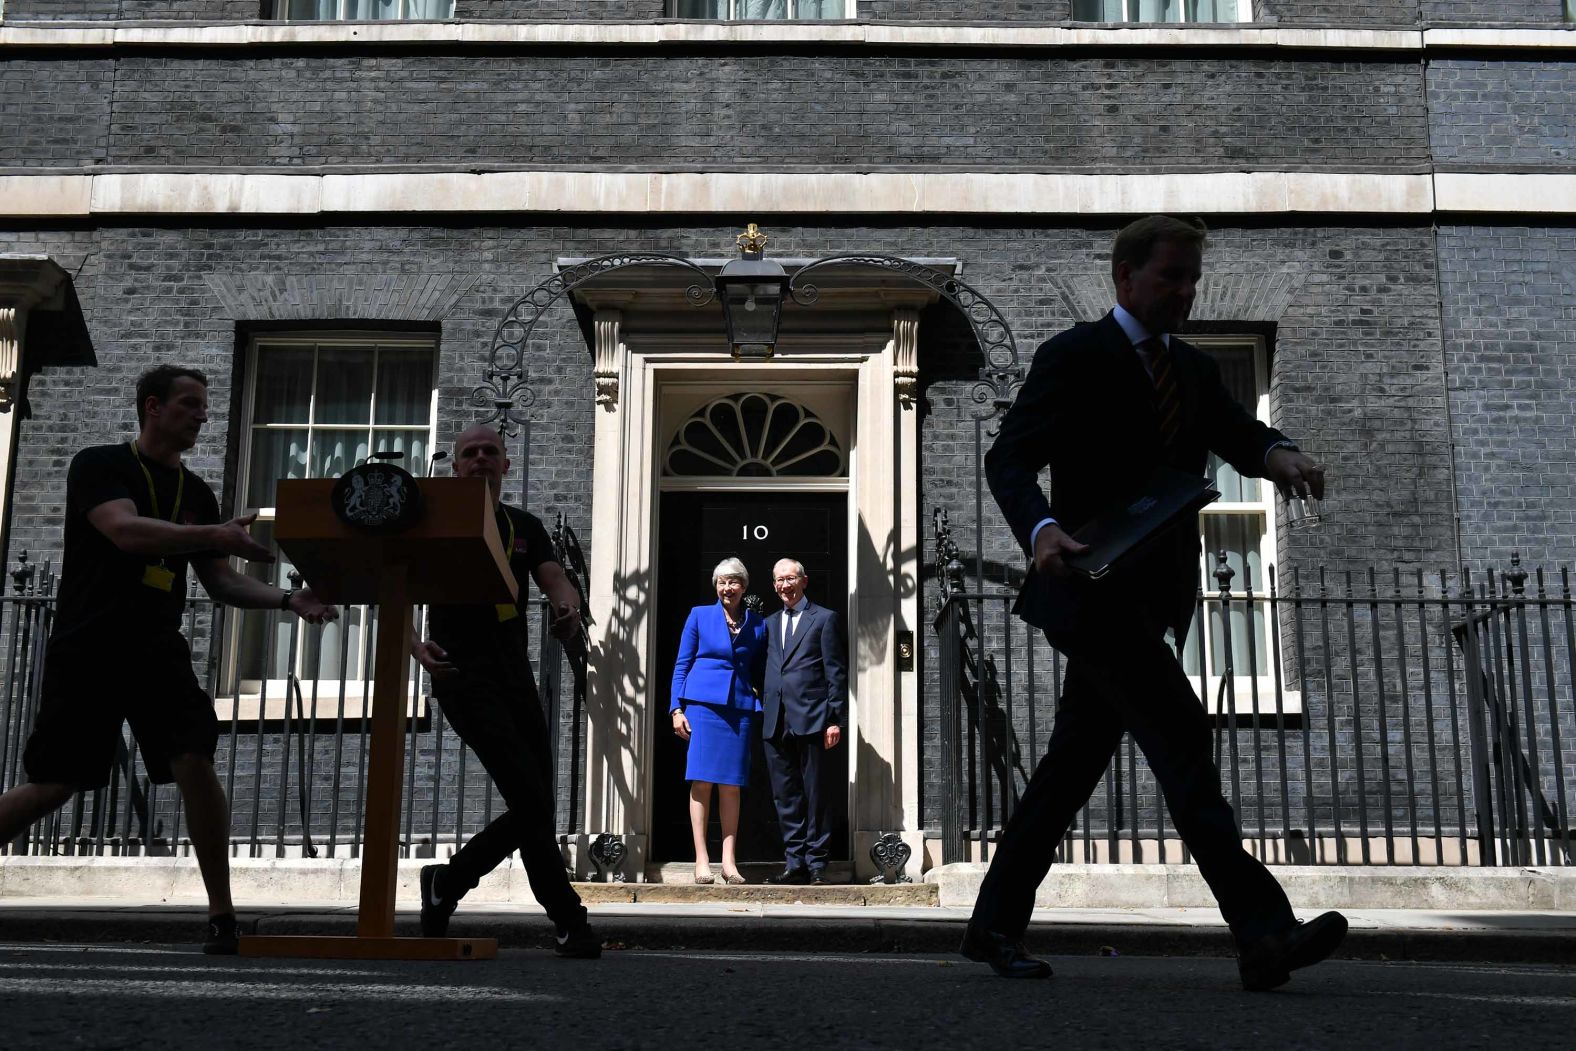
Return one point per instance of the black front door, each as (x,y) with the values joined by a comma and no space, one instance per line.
(698,530)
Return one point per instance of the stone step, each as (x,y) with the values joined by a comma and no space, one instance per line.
(683,872)
(831,894)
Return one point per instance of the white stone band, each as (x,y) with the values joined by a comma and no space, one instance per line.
(1237,193)
(872,34)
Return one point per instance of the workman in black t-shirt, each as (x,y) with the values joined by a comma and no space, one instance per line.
(135,519)
(481,677)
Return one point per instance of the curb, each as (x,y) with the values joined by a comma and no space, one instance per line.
(808,934)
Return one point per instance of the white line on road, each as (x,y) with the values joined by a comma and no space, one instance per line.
(785,957)
(254,988)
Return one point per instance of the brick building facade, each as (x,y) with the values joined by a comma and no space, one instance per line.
(1389,187)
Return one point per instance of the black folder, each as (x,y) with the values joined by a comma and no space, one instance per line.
(1168,498)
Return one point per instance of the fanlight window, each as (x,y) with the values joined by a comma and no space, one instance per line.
(754,436)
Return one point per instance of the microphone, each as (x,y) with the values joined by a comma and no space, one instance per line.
(437,457)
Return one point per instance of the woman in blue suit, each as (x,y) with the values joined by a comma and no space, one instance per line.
(714,707)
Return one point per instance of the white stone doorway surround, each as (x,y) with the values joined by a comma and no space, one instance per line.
(656,360)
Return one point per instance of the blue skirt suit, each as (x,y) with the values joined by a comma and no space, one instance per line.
(712,684)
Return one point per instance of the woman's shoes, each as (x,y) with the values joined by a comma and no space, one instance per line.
(704,876)
(733,879)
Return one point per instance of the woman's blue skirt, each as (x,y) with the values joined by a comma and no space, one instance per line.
(719,747)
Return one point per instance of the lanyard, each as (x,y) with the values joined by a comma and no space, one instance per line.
(180,487)
(507,611)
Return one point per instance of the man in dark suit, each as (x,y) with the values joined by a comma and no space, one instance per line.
(805,702)
(1105,405)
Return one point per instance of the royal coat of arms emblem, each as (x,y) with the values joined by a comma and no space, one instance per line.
(378,497)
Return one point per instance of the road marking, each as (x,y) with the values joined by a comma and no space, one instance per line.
(197,968)
(255,988)
(776,957)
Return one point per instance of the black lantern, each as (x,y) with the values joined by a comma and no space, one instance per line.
(752,289)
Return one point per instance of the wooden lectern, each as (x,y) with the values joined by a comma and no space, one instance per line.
(451,554)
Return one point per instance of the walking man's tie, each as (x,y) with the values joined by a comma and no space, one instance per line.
(1168,401)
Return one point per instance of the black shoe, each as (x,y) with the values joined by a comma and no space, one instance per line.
(1269,961)
(580,943)
(223,937)
(1006,956)
(818,878)
(435,911)
(798,876)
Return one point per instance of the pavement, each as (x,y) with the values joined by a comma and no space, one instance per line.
(162,997)
(1500,936)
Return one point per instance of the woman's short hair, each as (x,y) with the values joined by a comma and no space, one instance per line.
(730,567)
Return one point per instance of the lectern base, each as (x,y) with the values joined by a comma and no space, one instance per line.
(331,947)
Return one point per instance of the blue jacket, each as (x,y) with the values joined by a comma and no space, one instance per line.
(806,686)
(713,667)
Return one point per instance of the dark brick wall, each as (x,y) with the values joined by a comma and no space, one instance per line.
(1545,11)
(61,10)
(1487,112)
(1337,12)
(1509,303)
(161,10)
(64,119)
(1074,112)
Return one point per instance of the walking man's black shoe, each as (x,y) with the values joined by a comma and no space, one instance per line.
(1269,962)
(435,911)
(578,943)
(1006,956)
(223,937)
(818,877)
(799,877)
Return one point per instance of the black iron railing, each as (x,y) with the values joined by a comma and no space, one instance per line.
(292,750)
(1358,719)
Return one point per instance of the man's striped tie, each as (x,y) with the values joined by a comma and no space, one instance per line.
(1168,401)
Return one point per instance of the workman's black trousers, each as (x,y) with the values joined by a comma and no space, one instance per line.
(497,712)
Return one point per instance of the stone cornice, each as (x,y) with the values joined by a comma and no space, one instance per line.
(447,35)
(830,193)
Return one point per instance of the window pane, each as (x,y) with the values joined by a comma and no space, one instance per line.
(254,657)
(761,10)
(819,9)
(276,453)
(1098,10)
(334,651)
(1239,536)
(284,385)
(1237,373)
(317,10)
(429,9)
(412,443)
(1158,11)
(701,9)
(404,387)
(336,451)
(344,385)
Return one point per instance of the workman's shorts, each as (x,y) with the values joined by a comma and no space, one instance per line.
(86,697)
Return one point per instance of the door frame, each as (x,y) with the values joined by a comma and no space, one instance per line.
(870,351)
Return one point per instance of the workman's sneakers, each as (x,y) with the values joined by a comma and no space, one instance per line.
(223,937)
(435,911)
(580,943)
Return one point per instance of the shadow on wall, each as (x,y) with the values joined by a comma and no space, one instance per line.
(607,707)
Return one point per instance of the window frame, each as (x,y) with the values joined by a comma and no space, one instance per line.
(1265,510)
(249,699)
(849,7)
(1129,10)
(280,11)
